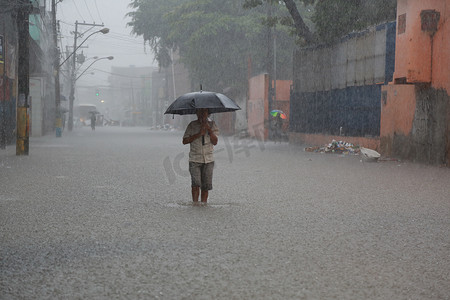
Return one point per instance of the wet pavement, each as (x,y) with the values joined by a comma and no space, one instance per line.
(108,215)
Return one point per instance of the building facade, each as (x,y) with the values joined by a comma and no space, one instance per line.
(415,111)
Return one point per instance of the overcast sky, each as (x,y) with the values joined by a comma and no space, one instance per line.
(126,49)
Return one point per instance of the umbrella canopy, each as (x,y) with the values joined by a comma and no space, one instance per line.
(214,102)
(276,112)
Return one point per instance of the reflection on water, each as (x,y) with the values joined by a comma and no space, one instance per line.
(198,204)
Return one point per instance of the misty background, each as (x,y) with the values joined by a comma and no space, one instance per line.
(103,82)
(126,48)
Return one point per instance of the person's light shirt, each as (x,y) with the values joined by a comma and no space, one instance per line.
(199,152)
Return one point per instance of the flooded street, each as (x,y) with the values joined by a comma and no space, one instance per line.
(107,214)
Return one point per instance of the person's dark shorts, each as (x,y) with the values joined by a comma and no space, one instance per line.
(201,175)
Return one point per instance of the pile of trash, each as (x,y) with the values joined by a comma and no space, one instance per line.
(339,147)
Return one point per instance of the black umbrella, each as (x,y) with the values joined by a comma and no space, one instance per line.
(214,102)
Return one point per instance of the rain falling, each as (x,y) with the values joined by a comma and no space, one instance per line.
(210,149)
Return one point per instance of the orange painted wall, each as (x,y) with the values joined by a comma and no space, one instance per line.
(420,57)
(414,58)
(257,105)
(398,109)
(283,90)
(397,114)
(283,100)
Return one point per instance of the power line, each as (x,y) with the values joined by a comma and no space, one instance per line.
(122,46)
(95,2)
(76,7)
(124,38)
(109,87)
(123,34)
(112,35)
(89,11)
(121,75)
(69,24)
(124,55)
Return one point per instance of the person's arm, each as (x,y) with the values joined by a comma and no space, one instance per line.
(212,136)
(190,139)
(212,132)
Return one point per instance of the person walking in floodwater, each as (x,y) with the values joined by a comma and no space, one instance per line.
(93,120)
(277,127)
(201,134)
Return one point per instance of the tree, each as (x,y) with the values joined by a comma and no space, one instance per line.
(215,38)
(149,21)
(335,18)
(297,22)
(300,26)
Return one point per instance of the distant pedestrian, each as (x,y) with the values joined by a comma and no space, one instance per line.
(201,134)
(277,127)
(93,120)
(63,120)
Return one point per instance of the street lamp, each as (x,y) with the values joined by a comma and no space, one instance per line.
(73,78)
(107,57)
(103,30)
(81,64)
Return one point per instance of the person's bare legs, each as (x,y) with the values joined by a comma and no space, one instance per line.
(195,193)
(204,196)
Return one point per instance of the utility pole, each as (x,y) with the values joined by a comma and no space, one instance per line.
(4,83)
(73,73)
(23,134)
(72,79)
(58,119)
